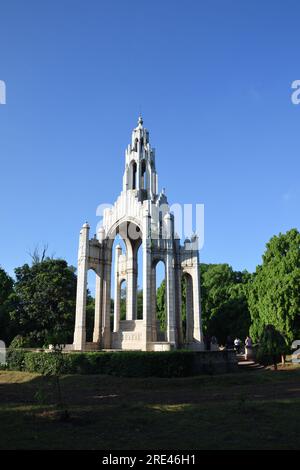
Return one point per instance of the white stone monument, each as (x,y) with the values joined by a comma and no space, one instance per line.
(142,217)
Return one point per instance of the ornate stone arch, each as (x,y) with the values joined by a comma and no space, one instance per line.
(147,211)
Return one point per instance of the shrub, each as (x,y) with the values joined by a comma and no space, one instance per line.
(125,363)
(15,359)
(50,363)
(271,346)
(16,354)
(122,364)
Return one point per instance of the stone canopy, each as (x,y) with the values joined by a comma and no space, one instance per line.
(141,216)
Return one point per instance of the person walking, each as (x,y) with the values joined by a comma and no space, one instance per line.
(237,345)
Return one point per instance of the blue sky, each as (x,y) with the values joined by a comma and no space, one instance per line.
(213,81)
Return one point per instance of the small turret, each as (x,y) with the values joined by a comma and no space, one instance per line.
(140,174)
(101,234)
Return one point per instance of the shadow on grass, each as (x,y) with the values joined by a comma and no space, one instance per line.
(23,387)
(239,411)
(268,425)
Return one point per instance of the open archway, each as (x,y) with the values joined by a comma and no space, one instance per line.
(133,171)
(90,305)
(187,308)
(159,306)
(123,298)
(125,245)
(143,175)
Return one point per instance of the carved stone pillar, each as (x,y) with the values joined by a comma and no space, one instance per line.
(80,318)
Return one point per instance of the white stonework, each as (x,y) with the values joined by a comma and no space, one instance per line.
(141,216)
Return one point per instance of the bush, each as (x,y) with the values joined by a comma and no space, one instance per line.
(15,359)
(15,354)
(271,346)
(50,363)
(125,363)
(122,364)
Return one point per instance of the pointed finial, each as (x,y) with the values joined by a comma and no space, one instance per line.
(140,120)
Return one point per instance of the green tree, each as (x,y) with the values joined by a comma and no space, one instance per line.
(224,301)
(7,330)
(272,346)
(140,304)
(161,312)
(90,316)
(44,310)
(274,292)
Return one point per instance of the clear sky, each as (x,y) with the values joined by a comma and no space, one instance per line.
(213,81)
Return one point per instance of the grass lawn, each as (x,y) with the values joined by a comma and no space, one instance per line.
(246,410)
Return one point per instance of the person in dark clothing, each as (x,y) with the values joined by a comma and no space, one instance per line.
(237,345)
(229,343)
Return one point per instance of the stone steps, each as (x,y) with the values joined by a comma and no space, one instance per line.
(248,365)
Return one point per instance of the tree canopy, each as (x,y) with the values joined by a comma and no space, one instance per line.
(224,302)
(274,292)
(45,294)
(6,293)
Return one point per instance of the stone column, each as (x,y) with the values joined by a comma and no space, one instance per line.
(189,309)
(153,304)
(98,304)
(106,331)
(117,296)
(80,318)
(170,298)
(178,303)
(147,262)
(198,336)
(170,280)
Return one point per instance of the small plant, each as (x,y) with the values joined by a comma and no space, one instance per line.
(58,367)
(50,364)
